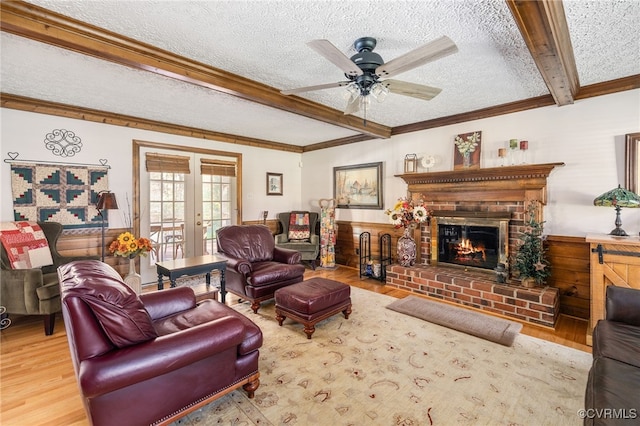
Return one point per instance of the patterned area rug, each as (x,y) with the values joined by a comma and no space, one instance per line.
(382,367)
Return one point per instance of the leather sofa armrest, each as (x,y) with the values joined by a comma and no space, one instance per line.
(623,305)
(241,266)
(163,303)
(120,368)
(283,255)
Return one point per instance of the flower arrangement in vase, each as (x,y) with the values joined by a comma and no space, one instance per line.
(408,215)
(126,245)
(530,262)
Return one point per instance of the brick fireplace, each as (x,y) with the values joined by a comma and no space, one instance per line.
(502,192)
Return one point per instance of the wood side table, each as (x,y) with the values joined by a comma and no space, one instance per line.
(193,266)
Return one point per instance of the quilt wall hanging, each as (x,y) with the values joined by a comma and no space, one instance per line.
(58,193)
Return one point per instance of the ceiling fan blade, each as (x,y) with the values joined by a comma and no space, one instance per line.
(333,54)
(353,104)
(412,89)
(431,51)
(317,87)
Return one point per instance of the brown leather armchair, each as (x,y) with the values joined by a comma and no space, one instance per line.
(256,268)
(153,358)
(35,291)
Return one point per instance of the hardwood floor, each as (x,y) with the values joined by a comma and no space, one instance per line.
(38,384)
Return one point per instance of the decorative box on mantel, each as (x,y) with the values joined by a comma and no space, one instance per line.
(479,290)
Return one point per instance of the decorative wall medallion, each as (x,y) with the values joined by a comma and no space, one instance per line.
(63,142)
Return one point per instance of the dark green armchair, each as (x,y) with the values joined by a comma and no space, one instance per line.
(309,246)
(35,291)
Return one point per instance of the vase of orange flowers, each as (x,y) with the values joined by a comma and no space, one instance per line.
(126,245)
(408,214)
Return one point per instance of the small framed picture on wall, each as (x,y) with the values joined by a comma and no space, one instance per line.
(274,183)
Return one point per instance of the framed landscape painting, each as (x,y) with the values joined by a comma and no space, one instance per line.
(358,186)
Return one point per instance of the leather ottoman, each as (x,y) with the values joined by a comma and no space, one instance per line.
(312,301)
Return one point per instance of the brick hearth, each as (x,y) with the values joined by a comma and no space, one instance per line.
(478,290)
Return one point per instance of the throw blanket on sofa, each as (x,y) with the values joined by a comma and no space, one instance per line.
(65,194)
(25,244)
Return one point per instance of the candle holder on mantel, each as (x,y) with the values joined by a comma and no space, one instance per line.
(502,155)
(524,146)
(513,146)
(410,163)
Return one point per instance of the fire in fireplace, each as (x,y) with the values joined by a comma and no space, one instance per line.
(471,239)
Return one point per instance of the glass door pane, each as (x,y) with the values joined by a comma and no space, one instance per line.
(180,212)
(216,207)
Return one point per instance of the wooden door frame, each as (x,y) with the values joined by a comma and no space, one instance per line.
(136,167)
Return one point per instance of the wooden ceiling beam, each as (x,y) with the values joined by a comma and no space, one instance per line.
(543,26)
(39,24)
(22,103)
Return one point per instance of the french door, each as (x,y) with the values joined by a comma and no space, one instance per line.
(184,197)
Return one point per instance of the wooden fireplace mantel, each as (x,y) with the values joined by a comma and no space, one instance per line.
(525,182)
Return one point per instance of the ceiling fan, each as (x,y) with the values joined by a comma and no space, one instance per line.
(368,74)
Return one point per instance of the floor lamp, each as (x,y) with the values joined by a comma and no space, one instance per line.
(106,201)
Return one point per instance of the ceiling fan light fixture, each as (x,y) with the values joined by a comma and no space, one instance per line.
(379,92)
(353,89)
(368,74)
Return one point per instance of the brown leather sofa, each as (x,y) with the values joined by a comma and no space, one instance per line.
(256,268)
(35,291)
(613,388)
(153,358)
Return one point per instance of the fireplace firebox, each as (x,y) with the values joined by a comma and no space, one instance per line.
(470,239)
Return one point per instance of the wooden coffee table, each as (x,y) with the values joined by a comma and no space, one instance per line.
(193,266)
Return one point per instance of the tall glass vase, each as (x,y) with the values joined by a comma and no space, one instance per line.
(407,248)
(133,279)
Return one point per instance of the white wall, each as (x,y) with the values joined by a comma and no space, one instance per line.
(24,132)
(587,136)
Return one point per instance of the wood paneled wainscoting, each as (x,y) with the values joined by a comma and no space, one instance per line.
(348,240)
(569,258)
(88,244)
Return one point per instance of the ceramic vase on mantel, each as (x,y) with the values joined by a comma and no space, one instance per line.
(133,279)
(407,248)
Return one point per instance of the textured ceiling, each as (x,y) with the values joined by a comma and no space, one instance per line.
(265,42)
